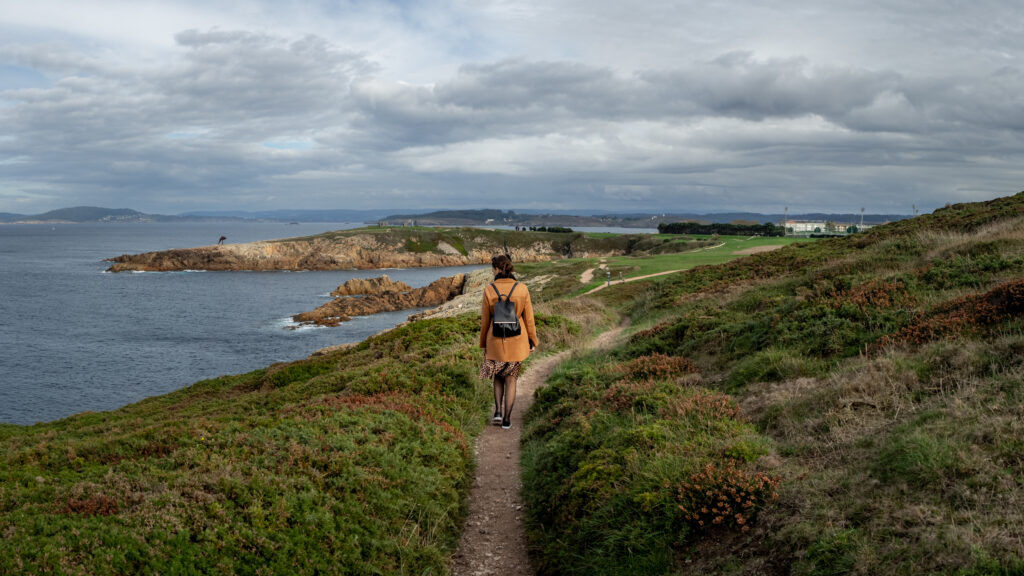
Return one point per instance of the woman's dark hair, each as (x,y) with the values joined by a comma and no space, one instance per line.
(504,266)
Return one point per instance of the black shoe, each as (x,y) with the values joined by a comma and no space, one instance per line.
(506,423)
(497,416)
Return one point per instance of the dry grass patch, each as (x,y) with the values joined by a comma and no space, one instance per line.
(909,462)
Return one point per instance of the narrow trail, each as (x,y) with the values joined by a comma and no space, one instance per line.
(588,274)
(633,279)
(494,537)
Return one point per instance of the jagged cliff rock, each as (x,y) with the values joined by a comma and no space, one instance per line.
(381,297)
(472,293)
(370,286)
(467,301)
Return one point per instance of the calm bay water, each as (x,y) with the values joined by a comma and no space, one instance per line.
(74,338)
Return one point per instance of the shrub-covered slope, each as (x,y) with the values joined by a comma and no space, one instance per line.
(354,462)
(874,383)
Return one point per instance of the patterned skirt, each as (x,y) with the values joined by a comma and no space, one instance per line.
(491,368)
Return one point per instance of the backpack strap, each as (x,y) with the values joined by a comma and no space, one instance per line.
(507,296)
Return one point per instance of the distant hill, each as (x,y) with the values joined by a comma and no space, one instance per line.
(80,214)
(293,215)
(475,217)
(633,220)
(93,214)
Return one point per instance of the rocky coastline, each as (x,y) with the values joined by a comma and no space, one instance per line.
(363,297)
(377,248)
(357,252)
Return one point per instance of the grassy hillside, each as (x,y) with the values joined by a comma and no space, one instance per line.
(851,406)
(356,462)
(847,406)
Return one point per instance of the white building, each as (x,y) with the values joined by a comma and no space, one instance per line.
(812,227)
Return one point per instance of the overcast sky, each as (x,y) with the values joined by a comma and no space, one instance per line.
(705,106)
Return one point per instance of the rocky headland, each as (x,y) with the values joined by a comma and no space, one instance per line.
(363,297)
(356,252)
(376,248)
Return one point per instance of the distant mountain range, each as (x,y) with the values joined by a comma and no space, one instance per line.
(579,218)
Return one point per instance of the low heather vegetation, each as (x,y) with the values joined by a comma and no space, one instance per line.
(874,383)
(354,462)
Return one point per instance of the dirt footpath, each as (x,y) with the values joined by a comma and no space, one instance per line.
(494,538)
(588,274)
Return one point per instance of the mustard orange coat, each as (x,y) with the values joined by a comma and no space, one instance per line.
(514,349)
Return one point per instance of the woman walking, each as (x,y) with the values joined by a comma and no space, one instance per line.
(503,351)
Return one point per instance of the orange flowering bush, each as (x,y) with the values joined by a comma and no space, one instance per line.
(650,332)
(975,313)
(627,394)
(725,495)
(95,505)
(706,405)
(875,294)
(658,366)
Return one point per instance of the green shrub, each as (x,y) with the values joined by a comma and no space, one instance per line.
(986,565)
(612,452)
(918,458)
(773,365)
(417,245)
(833,554)
(281,375)
(964,272)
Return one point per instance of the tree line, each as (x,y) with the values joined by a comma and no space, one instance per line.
(723,229)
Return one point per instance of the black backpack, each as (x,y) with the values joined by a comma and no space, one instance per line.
(504,321)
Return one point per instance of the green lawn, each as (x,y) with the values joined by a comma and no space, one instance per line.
(626,267)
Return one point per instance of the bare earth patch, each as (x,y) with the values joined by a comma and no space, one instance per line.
(588,274)
(758,249)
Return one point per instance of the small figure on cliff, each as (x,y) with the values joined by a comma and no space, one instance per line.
(505,348)
(222,239)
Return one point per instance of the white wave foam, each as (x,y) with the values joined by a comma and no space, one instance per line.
(288,324)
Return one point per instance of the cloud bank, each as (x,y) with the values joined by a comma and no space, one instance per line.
(667,106)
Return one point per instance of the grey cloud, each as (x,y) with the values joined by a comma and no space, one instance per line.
(197,124)
(53,58)
(516,98)
(734,85)
(250,77)
(739,86)
(714,128)
(518,84)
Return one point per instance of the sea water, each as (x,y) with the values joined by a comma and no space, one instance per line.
(76,338)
